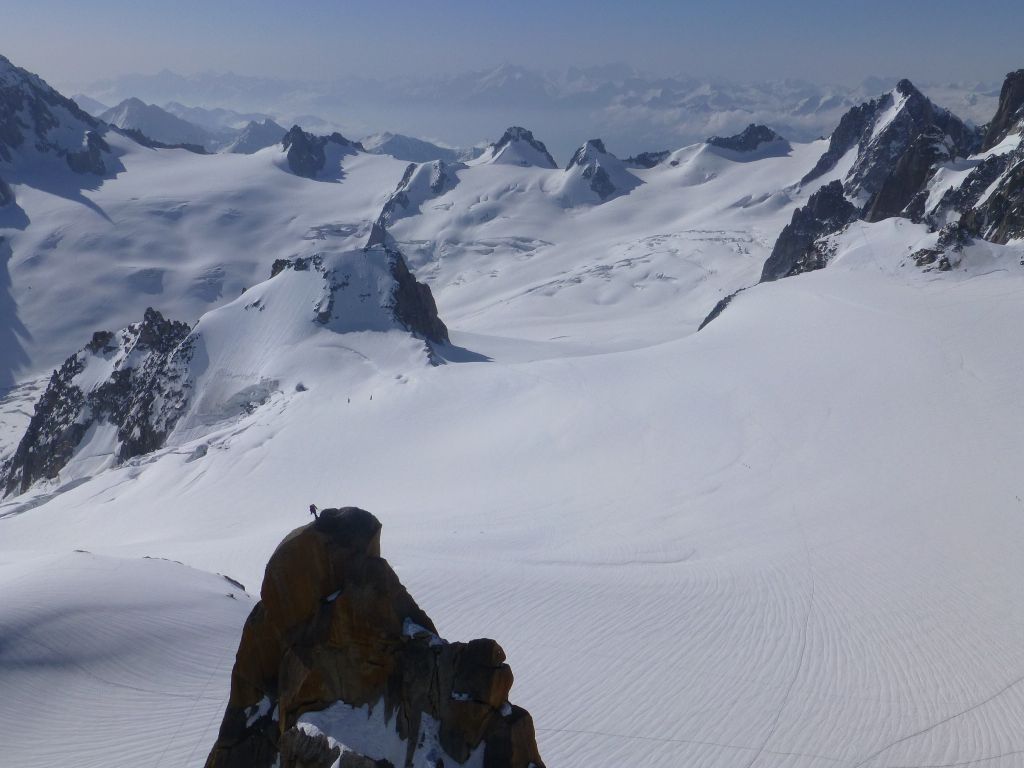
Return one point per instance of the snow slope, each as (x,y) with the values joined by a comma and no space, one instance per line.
(177,231)
(116,661)
(789,540)
(751,545)
(506,253)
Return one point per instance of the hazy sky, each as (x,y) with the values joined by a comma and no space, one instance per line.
(70,41)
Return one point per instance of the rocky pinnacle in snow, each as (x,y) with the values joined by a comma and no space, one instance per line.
(335,630)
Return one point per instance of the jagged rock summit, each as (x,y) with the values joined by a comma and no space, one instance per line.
(338,665)
(419,183)
(517,146)
(125,389)
(1010,113)
(593,171)
(796,251)
(899,138)
(308,154)
(753,138)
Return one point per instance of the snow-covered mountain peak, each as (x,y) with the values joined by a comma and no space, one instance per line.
(591,150)
(256,136)
(342,313)
(517,146)
(155,123)
(593,172)
(36,120)
(419,183)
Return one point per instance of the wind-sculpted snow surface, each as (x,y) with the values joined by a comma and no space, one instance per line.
(790,540)
(114,661)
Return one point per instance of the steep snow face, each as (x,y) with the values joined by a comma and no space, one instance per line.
(594,175)
(902,117)
(155,123)
(37,122)
(882,132)
(517,146)
(256,136)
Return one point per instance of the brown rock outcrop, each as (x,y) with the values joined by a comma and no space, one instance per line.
(335,625)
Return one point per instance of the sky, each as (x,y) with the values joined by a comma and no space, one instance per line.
(75,42)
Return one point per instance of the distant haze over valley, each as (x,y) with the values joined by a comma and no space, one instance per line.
(630,110)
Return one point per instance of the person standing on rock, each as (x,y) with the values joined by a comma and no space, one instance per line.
(312,511)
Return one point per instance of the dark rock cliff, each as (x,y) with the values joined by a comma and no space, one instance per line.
(336,628)
(133,380)
(827,211)
(1009,113)
(748,140)
(307,152)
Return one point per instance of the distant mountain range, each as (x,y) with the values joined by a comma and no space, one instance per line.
(632,111)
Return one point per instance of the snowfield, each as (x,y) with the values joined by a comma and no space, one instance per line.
(789,540)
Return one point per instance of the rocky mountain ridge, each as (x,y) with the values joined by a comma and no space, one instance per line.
(134,382)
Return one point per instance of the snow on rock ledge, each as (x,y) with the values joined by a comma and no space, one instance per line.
(338,665)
